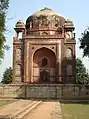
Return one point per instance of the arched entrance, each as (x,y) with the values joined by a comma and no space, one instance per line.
(44,66)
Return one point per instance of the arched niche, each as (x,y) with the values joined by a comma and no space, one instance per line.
(69,53)
(44,62)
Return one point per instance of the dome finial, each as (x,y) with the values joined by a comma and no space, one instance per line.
(45,8)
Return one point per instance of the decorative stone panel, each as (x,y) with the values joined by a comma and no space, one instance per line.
(18,70)
(18,54)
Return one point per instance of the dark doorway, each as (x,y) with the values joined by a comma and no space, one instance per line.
(44,76)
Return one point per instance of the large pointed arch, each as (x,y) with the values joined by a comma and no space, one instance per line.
(44,62)
(41,47)
(44,53)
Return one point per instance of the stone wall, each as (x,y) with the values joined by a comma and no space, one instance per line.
(56,91)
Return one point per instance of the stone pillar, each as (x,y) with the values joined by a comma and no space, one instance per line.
(13,63)
(26,62)
(31,65)
(58,61)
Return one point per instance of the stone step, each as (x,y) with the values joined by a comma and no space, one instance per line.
(22,110)
(46,110)
(27,109)
(9,104)
(8,110)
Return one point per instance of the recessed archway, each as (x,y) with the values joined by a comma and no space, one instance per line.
(44,65)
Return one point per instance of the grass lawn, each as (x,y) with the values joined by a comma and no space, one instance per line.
(4,102)
(75,110)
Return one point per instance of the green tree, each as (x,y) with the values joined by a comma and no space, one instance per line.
(84,42)
(82,76)
(7,76)
(3,10)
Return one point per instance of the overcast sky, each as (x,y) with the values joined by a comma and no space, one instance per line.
(77,10)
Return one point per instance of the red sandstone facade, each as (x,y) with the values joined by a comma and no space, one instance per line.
(46,51)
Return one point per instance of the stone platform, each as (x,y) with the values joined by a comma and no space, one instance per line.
(45,91)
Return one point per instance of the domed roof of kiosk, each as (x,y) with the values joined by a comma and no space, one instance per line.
(20,24)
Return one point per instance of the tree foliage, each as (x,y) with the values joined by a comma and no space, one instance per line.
(82,76)
(84,42)
(7,76)
(3,9)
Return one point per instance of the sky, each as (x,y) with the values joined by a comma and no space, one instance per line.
(76,10)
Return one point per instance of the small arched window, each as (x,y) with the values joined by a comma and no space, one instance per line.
(45,33)
(20,35)
(69,53)
(44,62)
